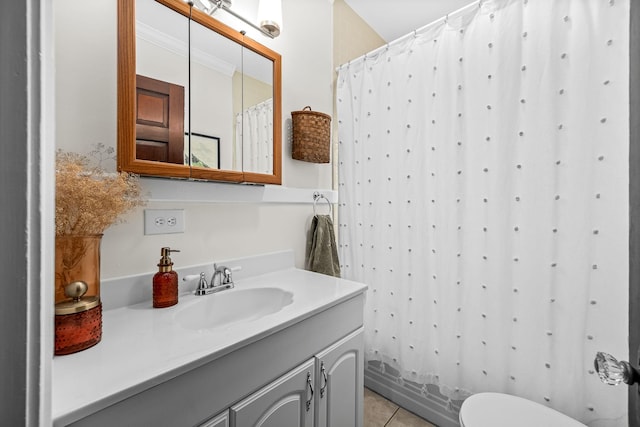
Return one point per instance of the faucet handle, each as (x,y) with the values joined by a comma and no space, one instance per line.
(202,285)
(226,276)
(228,272)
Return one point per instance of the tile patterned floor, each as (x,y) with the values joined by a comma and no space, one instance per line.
(380,412)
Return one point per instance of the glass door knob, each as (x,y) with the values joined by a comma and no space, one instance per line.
(613,372)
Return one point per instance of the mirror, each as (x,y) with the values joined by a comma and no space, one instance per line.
(255,122)
(196,99)
(162,84)
(216,81)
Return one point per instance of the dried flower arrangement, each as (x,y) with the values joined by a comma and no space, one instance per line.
(88,199)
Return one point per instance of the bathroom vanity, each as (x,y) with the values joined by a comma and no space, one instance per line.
(280,349)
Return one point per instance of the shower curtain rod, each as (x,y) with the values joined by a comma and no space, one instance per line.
(414,33)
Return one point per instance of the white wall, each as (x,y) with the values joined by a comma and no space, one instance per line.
(86,114)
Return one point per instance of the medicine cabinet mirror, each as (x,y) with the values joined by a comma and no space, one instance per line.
(196,98)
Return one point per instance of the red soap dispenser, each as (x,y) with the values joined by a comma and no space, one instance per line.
(165,281)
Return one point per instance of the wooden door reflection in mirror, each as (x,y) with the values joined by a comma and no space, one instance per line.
(224,77)
(159,120)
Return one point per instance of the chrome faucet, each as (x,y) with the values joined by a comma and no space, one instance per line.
(220,281)
(224,275)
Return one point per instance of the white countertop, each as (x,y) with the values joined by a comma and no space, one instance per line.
(142,346)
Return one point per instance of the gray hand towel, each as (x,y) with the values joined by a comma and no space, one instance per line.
(322,253)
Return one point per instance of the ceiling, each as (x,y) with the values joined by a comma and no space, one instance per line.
(394,19)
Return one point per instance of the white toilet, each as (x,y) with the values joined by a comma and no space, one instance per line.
(504,410)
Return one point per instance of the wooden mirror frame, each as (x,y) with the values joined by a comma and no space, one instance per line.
(126,154)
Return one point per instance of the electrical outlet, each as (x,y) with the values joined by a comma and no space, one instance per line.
(163,221)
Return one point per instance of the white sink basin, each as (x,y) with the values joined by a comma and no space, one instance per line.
(234,305)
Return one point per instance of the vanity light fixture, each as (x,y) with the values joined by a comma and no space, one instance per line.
(269,14)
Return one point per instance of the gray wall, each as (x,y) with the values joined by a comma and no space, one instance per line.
(634,208)
(21,360)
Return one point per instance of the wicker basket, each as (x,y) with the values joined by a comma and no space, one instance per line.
(311,136)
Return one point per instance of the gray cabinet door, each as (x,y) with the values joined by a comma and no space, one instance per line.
(340,375)
(220,420)
(286,402)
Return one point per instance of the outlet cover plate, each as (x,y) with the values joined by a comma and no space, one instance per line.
(163,221)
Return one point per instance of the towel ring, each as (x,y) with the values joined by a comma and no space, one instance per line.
(318,196)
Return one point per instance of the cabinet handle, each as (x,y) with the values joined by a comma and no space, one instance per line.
(323,389)
(310,388)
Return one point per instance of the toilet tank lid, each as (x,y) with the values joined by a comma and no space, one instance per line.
(505,410)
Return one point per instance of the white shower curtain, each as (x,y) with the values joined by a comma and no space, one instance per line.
(483,180)
(254,138)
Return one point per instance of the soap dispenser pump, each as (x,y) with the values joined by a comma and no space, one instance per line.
(165,281)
